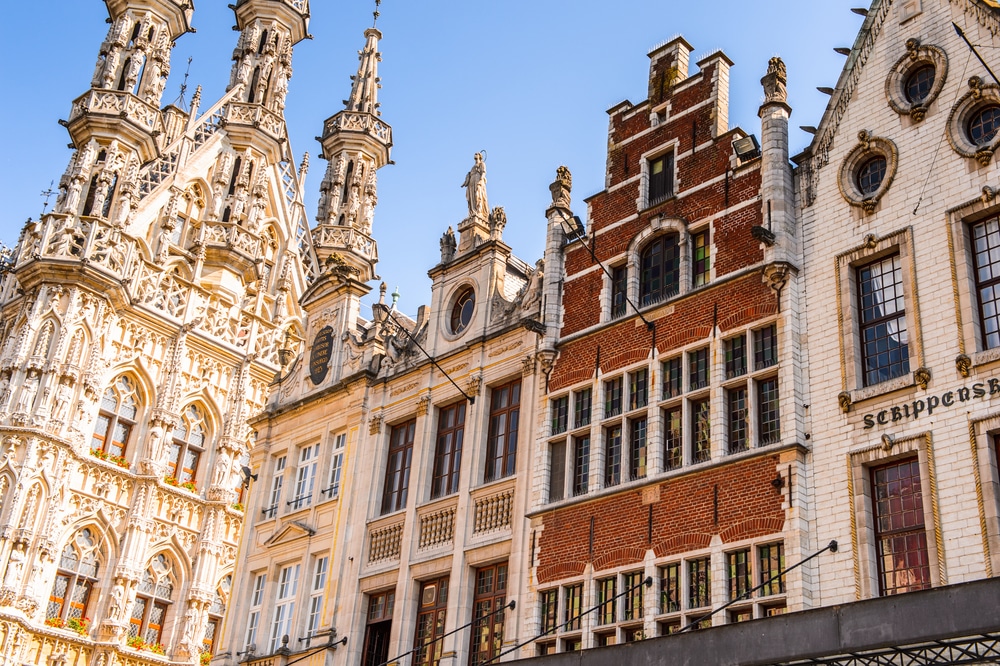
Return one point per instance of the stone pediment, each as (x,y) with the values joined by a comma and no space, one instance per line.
(288,532)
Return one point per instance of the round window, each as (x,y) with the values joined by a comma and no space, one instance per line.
(918,83)
(870,175)
(983,124)
(461,313)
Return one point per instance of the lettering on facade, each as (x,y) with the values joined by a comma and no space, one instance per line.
(927,406)
(403,389)
(319,355)
(505,348)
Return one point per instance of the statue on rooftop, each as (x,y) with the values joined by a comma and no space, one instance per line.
(475,189)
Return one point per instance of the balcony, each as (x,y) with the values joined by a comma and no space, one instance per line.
(492,512)
(385,542)
(437,525)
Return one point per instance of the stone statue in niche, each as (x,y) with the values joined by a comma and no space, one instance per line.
(774,82)
(448,246)
(533,291)
(15,567)
(28,391)
(475,189)
(561,188)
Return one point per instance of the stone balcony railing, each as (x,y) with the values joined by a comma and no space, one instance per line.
(255,115)
(437,526)
(345,239)
(345,121)
(67,237)
(493,510)
(385,542)
(117,103)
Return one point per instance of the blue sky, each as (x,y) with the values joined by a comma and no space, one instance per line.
(528,82)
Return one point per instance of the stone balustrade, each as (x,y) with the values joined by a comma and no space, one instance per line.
(492,513)
(437,528)
(384,543)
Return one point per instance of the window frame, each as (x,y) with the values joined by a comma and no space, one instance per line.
(399,458)
(501,444)
(447,464)
(182,448)
(114,419)
(660,187)
(485,606)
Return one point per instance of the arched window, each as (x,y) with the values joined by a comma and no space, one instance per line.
(660,270)
(88,205)
(254,81)
(263,43)
(188,445)
(116,419)
(75,579)
(155,594)
(347,183)
(235,175)
(215,613)
(109,199)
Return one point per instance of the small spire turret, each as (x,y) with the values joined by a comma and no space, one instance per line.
(357,143)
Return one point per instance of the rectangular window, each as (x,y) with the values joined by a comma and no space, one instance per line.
(765,347)
(581,464)
(900,538)
(701,258)
(736,408)
(613,397)
(670,588)
(378,628)
(397,471)
(316,594)
(305,477)
(701,443)
(606,591)
(632,607)
(573,606)
(638,389)
(560,414)
(336,467)
(276,482)
(487,614)
(986,260)
(699,583)
(501,442)
(557,470)
(698,368)
(256,601)
(613,456)
(637,449)
(548,601)
(672,439)
(771,559)
(884,341)
(284,606)
(673,378)
(661,178)
(619,286)
(736,356)
(738,574)
(581,408)
(768,418)
(448,452)
(427,646)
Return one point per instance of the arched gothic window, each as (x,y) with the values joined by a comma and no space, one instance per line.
(660,270)
(75,578)
(153,600)
(215,613)
(44,340)
(116,419)
(187,446)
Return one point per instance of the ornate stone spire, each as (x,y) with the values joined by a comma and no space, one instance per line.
(356,143)
(364,90)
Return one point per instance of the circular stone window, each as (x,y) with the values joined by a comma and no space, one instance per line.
(916,79)
(868,170)
(461,312)
(918,83)
(983,124)
(870,175)
(974,122)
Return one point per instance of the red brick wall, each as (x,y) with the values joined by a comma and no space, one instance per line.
(731,305)
(683,520)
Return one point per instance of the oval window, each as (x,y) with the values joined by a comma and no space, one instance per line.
(461,313)
(983,124)
(870,175)
(919,83)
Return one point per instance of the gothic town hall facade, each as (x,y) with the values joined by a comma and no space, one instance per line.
(743,410)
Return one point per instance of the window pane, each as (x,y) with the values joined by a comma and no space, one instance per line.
(581,408)
(901,541)
(672,442)
(613,456)
(884,344)
(736,401)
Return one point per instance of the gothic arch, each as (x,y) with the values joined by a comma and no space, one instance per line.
(7,483)
(77,345)
(34,503)
(182,565)
(46,337)
(106,535)
(145,385)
